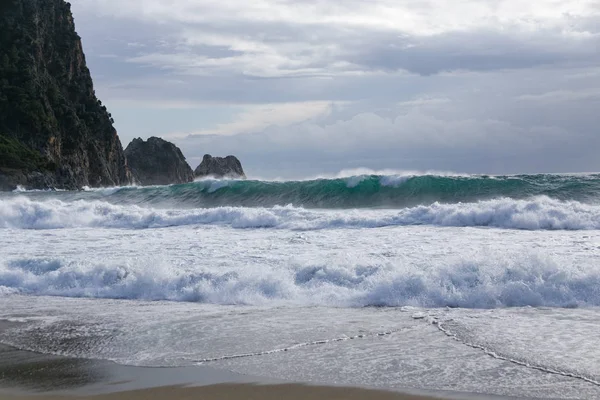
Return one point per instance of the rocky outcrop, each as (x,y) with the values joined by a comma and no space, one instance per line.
(54,132)
(218,167)
(157,162)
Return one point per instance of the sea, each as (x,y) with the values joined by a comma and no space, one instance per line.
(449,282)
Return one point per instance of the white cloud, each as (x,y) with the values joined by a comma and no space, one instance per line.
(259,117)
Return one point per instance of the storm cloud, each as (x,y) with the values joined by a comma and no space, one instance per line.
(300,87)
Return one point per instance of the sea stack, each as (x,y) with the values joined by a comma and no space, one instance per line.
(157,162)
(54,132)
(219,167)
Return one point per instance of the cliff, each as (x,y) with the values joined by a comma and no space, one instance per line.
(218,167)
(54,132)
(157,162)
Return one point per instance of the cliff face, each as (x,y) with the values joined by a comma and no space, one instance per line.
(54,132)
(157,162)
(218,167)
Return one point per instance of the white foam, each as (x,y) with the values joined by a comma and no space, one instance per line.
(295,347)
(354,181)
(541,213)
(560,342)
(477,283)
(22,189)
(361,171)
(353,172)
(218,184)
(385,180)
(107,191)
(394,180)
(212,178)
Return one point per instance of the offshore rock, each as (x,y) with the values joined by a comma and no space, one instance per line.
(157,162)
(218,167)
(54,132)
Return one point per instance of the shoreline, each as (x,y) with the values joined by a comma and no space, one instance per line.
(26,375)
(234,391)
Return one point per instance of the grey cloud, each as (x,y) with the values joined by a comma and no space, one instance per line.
(465,146)
(289,49)
(474,51)
(514,100)
(437,137)
(563,96)
(315,61)
(109,44)
(322,51)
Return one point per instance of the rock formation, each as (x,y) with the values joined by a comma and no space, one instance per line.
(157,162)
(228,167)
(54,132)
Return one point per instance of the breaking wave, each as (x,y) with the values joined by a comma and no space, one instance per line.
(526,280)
(359,191)
(540,213)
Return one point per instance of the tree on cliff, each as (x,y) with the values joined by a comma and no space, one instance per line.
(48,108)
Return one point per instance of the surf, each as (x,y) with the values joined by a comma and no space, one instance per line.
(480,283)
(357,191)
(539,213)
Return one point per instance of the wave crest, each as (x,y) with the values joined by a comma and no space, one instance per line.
(353,191)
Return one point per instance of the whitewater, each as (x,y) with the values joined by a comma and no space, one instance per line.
(478,284)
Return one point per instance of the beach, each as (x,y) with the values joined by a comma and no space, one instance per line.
(490,291)
(294,199)
(249,392)
(26,376)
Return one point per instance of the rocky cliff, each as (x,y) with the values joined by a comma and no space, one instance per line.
(218,167)
(157,162)
(54,132)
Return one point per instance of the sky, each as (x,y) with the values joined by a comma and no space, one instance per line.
(298,88)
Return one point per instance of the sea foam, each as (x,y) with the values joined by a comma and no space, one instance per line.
(540,213)
(525,280)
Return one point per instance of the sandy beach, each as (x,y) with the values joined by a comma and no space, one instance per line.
(27,375)
(237,391)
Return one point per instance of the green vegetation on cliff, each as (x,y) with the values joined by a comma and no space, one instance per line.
(49,113)
(15,155)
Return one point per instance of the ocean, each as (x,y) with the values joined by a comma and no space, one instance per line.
(476,284)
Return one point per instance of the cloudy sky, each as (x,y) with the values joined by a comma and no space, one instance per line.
(301,87)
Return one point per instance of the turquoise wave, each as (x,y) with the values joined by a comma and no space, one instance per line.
(368,191)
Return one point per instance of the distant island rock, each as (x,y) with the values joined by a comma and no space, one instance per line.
(219,167)
(157,162)
(54,132)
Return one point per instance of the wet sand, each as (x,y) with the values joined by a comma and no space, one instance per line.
(236,391)
(27,375)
